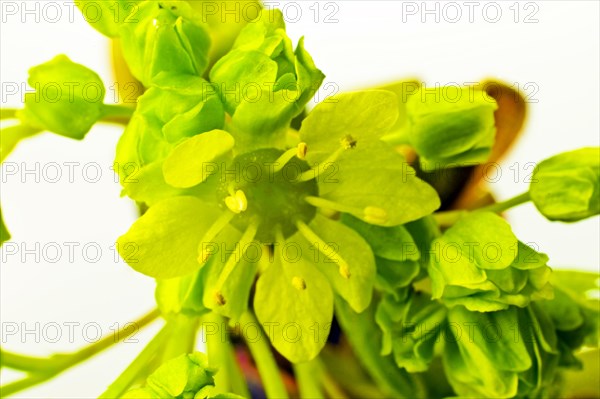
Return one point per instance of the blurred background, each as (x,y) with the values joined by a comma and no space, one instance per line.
(61,199)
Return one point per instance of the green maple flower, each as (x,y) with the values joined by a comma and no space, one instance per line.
(480,264)
(511,353)
(273,200)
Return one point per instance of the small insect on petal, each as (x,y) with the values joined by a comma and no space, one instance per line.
(375,215)
(348,142)
(220,299)
(237,203)
(299,283)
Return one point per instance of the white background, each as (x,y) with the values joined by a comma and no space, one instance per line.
(365,43)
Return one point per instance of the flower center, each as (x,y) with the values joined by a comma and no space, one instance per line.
(260,190)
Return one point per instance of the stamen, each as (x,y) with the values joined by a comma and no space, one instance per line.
(212,232)
(370,214)
(299,283)
(237,202)
(324,248)
(375,215)
(299,151)
(322,167)
(233,259)
(302,149)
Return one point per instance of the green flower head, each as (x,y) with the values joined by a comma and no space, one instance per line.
(272,206)
(480,264)
(505,354)
(262,81)
(168,37)
(451,126)
(566,187)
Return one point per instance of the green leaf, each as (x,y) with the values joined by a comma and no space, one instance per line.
(168,38)
(296,299)
(108,16)
(68,98)
(4,234)
(362,115)
(566,187)
(186,165)
(353,249)
(451,126)
(373,175)
(163,242)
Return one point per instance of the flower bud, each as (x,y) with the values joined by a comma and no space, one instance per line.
(68,99)
(480,264)
(566,186)
(451,126)
(168,37)
(262,81)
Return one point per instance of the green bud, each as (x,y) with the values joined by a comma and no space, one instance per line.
(181,377)
(263,82)
(566,187)
(411,327)
(451,126)
(480,264)
(68,98)
(505,354)
(224,25)
(174,109)
(108,16)
(169,37)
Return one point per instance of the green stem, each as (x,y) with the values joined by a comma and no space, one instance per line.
(43,369)
(510,203)
(308,379)
(8,113)
(114,113)
(448,218)
(10,137)
(139,365)
(221,354)
(265,361)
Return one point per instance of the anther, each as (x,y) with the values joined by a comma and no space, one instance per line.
(375,215)
(301,150)
(299,283)
(237,202)
(344,271)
